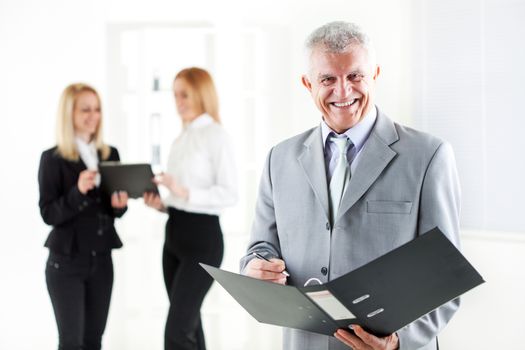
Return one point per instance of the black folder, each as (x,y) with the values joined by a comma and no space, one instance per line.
(382,296)
(135,179)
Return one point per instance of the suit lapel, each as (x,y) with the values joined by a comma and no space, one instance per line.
(77,166)
(312,162)
(374,158)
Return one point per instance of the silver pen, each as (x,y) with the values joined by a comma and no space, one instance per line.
(284,272)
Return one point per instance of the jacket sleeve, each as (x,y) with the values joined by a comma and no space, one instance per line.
(264,238)
(440,206)
(117,212)
(58,205)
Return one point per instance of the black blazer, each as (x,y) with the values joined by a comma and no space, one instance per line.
(81,223)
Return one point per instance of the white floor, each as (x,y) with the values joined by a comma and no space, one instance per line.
(491,316)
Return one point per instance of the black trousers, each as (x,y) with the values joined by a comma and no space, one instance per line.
(190,239)
(80,290)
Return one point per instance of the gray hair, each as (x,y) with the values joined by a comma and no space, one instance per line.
(337,37)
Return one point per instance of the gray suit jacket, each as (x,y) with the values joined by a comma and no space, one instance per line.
(404,185)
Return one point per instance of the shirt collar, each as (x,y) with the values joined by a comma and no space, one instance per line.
(88,153)
(81,144)
(202,120)
(358,134)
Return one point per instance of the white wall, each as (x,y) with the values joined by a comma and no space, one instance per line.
(490,316)
(468,90)
(46,45)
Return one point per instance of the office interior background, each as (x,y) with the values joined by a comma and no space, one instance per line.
(452,68)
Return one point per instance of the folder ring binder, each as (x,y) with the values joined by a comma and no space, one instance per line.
(373,313)
(361,298)
(312,280)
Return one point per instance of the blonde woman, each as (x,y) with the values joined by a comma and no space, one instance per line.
(79,271)
(201,181)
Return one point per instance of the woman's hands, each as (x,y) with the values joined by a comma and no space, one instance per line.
(169,182)
(119,199)
(86,181)
(153,200)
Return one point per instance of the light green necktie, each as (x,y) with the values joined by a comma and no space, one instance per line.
(340,177)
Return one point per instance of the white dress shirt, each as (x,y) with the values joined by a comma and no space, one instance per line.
(88,154)
(201,159)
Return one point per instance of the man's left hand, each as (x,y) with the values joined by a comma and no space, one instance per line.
(363,340)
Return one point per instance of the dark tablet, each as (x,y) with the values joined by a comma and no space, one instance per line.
(135,179)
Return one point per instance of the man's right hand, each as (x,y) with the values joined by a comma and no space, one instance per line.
(266,270)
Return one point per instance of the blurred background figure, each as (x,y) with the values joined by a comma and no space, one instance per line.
(201,180)
(79,271)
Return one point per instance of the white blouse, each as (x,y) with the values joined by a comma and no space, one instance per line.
(201,159)
(88,154)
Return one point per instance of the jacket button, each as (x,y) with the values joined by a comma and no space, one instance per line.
(85,203)
(327,226)
(100,232)
(97,200)
(324,271)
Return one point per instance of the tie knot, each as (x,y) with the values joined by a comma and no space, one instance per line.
(342,143)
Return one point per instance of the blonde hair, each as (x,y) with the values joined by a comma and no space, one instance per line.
(203,88)
(65,132)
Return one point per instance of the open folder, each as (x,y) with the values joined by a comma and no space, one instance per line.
(381,296)
(135,179)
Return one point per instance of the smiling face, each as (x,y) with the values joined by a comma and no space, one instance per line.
(86,115)
(342,85)
(185,100)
